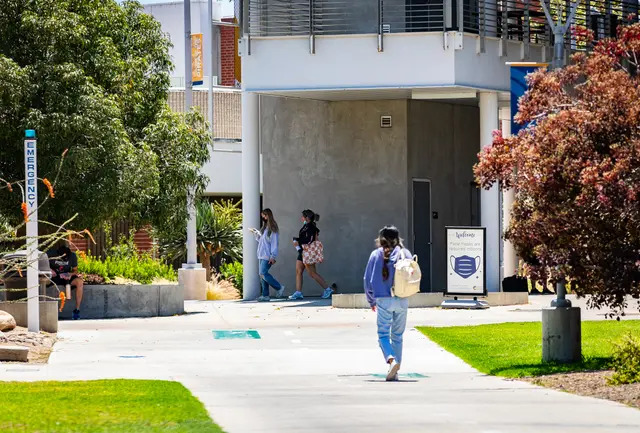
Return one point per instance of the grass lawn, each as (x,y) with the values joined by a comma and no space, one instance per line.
(129,406)
(515,349)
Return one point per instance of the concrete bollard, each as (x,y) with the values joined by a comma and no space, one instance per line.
(194,282)
(561,335)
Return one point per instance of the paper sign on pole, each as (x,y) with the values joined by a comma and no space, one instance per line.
(466,264)
(197,61)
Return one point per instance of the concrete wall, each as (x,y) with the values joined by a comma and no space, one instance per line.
(111,301)
(409,60)
(48,314)
(334,158)
(443,142)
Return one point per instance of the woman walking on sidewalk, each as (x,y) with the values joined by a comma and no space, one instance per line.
(267,239)
(309,234)
(392,311)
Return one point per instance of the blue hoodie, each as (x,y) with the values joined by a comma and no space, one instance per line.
(374,285)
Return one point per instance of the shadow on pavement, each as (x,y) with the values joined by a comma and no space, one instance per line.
(317,302)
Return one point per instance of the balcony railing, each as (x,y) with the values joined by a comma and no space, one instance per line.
(520,20)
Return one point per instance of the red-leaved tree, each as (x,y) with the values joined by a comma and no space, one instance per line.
(576,173)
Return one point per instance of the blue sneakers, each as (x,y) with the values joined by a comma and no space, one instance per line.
(296,295)
(76,314)
(329,291)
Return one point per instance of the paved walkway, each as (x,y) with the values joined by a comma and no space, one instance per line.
(318,369)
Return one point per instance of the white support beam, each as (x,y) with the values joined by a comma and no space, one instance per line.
(490,199)
(250,192)
(443,93)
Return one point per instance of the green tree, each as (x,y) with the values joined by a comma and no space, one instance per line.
(576,173)
(93,76)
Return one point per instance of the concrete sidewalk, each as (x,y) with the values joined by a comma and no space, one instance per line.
(318,369)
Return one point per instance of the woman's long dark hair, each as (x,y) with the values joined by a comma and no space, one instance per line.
(270,224)
(388,239)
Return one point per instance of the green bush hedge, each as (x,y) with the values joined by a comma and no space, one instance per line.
(233,273)
(142,269)
(626,361)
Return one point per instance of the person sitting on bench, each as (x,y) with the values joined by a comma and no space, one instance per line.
(64,270)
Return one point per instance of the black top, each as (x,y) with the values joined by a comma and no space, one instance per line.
(62,264)
(308,233)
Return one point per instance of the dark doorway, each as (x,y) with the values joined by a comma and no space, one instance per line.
(422,230)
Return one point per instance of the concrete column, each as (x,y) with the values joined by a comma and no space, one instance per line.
(509,257)
(250,192)
(490,199)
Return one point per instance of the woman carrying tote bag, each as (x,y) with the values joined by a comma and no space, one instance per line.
(309,254)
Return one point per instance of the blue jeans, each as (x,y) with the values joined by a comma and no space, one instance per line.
(266,279)
(392,320)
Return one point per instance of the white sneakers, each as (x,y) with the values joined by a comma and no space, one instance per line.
(392,374)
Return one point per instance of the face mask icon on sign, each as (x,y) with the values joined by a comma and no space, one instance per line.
(465,266)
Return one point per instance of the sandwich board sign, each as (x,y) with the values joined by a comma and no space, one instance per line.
(466,265)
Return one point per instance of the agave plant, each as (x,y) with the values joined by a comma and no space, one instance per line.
(218,234)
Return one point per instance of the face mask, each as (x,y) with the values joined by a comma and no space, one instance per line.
(465,266)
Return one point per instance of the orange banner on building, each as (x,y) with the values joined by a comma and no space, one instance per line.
(197,61)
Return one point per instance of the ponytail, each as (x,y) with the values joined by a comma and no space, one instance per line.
(388,239)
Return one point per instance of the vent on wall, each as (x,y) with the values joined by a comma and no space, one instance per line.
(385,121)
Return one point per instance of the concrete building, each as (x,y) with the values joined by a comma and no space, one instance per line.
(372,112)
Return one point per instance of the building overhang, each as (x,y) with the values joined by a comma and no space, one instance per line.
(451,93)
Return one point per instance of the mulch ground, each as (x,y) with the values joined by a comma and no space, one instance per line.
(40,344)
(591,384)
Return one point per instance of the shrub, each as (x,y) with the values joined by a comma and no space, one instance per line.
(626,361)
(125,248)
(221,290)
(218,235)
(232,272)
(142,269)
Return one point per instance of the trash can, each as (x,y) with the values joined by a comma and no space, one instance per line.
(13,279)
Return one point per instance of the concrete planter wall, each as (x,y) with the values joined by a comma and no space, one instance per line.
(48,314)
(119,301)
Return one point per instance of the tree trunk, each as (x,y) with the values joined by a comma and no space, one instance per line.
(205,259)
(216,261)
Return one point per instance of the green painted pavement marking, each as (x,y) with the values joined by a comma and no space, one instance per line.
(227,335)
(403,375)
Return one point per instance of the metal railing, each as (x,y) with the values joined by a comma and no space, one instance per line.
(340,17)
(524,20)
(520,20)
